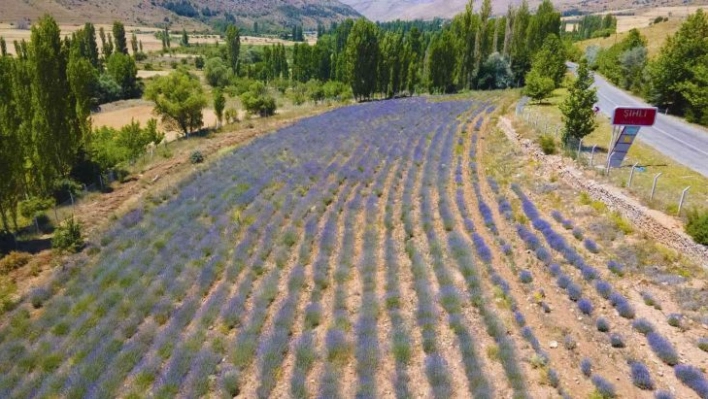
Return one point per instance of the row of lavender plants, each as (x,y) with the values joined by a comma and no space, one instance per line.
(136,315)
(484,253)
(661,346)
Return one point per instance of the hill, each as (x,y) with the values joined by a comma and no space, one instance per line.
(387,10)
(191,14)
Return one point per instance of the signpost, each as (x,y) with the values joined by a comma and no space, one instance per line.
(627,122)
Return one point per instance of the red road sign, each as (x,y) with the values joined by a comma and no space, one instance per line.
(634,116)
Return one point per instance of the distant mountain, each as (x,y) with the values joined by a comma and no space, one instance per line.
(388,10)
(189,13)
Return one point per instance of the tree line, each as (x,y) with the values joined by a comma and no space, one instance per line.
(47,92)
(473,51)
(676,80)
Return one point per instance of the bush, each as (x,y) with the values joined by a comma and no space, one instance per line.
(641,376)
(585,306)
(603,387)
(615,268)
(547,143)
(13,261)
(586,367)
(38,296)
(554,269)
(643,326)
(663,395)
(697,226)
(553,379)
(574,292)
(663,349)
(563,281)
(603,288)
(591,246)
(617,341)
(692,378)
(525,276)
(650,301)
(674,320)
(578,233)
(569,343)
(67,237)
(7,294)
(196,157)
(703,344)
(602,324)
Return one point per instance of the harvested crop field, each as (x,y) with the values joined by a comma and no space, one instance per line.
(360,253)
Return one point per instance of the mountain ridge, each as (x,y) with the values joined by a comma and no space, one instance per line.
(191,14)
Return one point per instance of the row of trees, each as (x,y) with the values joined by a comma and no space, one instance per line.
(47,93)
(473,51)
(677,79)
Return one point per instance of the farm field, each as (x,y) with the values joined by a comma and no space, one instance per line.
(390,249)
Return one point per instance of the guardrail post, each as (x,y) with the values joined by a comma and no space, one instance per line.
(683,197)
(631,175)
(609,160)
(580,148)
(653,187)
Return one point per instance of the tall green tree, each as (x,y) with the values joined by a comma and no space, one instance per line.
(520,54)
(179,100)
(219,105)
(11,146)
(233,47)
(56,132)
(577,109)
(362,57)
(441,64)
(134,44)
(538,86)
(124,71)
(678,75)
(185,38)
(550,60)
(121,43)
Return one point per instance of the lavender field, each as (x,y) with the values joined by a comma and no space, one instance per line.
(360,253)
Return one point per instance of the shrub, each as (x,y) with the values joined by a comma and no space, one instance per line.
(641,376)
(663,349)
(603,288)
(591,246)
(602,324)
(586,367)
(568,225)
(557,216)
(703,344)
(520,319)
(589,273)
(553,379)
(574,292)
(674,320)
(617,341)
(650,301)
(196,157)
(525,276)
(554,269)
(563,281)
(543,255)
(13,261)
(692,378)
(603,387)
(569,343)
(548,144)
(67,237)
(578,233)
(615,268)
(585,306)
(643,326)
(663,395)
(697,226)
(38,296)
(7,294)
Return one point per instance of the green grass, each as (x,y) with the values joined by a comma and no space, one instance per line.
(674,178)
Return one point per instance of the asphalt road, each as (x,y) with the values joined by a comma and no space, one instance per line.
(685,143)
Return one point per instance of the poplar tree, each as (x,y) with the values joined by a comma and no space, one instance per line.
(362,56)
(56,132)
(577,109)
(219,105)
(121,44)
(233,47)
(134,44)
